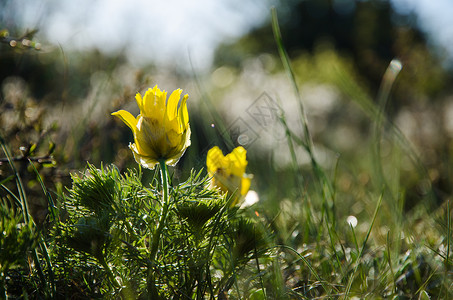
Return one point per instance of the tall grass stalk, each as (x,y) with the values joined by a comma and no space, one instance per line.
(216,117)
(26,215)
(449,237)
(388,80)
(18,180)
(447,264)
(289,71)
(309,266)
(325,186)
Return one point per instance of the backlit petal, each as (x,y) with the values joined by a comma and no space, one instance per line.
(183,113)
(149,137)
(172,104)
(154,103)
(238,161)
(127,118)
(146,161)
(214,160)
(245,185)
(139,100)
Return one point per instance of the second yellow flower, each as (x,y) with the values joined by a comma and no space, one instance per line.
(228,172)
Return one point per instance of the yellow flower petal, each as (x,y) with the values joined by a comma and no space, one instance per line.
(214,160)
(172,124)
(154,104)
(238,161)
(147,137)
(127,118)
(172,104)
(146,161)
(245,185)
(183,113)
(139,100)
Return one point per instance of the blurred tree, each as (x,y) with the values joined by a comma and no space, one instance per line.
(370,32)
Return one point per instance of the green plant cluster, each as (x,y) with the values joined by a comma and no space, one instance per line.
(16,240)
(109,221)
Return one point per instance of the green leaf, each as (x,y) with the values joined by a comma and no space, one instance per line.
(423,295)
(51,148)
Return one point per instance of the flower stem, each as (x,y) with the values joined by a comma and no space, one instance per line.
(152,289)
(165,207)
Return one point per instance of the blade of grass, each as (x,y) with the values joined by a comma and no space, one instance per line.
(47,194)
(9,178)
(389,261)
(309,266)
(42,243)
(354,237)
(357,263)
(287,65)
(299,180)
(388,80)
(352,90)
(16,200)
(25,212)
(19,185)
(447,255)
(259,272)
(215,115)
(307,139)
(331,232)
(447,258)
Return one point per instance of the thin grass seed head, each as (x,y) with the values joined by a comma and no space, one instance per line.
(228,172)
(161,130)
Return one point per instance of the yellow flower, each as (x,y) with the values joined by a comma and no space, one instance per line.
(228,172)
(161,130)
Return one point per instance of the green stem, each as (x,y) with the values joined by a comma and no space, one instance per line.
(109,272)
(152,289)
(165,207)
